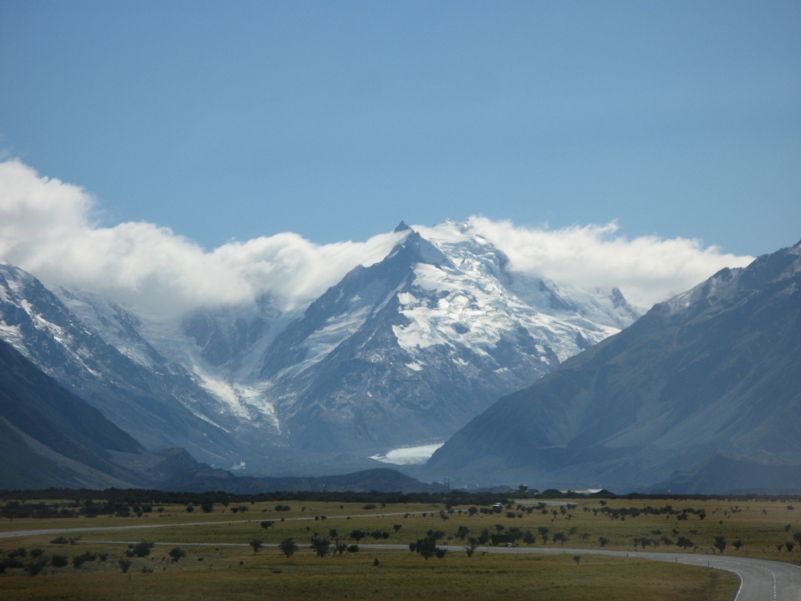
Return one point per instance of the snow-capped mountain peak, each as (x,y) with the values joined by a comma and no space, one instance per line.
(402,351)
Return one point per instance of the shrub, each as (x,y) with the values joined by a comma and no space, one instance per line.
(288,547)
(34,566)
(141,549)
(427,547)
(529,538)
(320,546)
(79,560)
(58,561)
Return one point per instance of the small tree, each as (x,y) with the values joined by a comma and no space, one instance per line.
(125,565)
(737,543)
(684,542)
(603,541)
(528,537)
(256,545)
(177,553)
(426,547)
(35,565)
(288,547)
(471,546)
(577,559)
(720,543)
(58,561)
(543,530)
(266,524)
(320,546)
(141,549)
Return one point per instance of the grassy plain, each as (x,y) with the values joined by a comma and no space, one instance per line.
(212,574)
(765,528)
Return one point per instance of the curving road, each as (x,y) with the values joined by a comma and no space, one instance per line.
(760,579)
(87,529)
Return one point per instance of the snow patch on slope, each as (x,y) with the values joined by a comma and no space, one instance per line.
(13,336)
(408,455)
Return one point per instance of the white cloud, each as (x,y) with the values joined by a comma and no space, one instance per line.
(47,227)
(647,269)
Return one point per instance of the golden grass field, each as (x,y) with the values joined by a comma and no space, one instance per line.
(213,571)
(222,574)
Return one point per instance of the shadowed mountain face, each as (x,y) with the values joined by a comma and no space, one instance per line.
(51,438)
(129,381)
(711,377)
(48,436)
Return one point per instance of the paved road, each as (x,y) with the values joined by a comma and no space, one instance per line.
(761,580)
(87,529)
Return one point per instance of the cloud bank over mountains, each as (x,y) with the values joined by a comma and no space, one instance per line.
(50,228)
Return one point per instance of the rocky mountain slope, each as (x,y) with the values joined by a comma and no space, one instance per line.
(710,378)
(118,372)
(48,436)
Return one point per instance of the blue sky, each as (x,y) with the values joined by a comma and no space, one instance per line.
(337,119)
